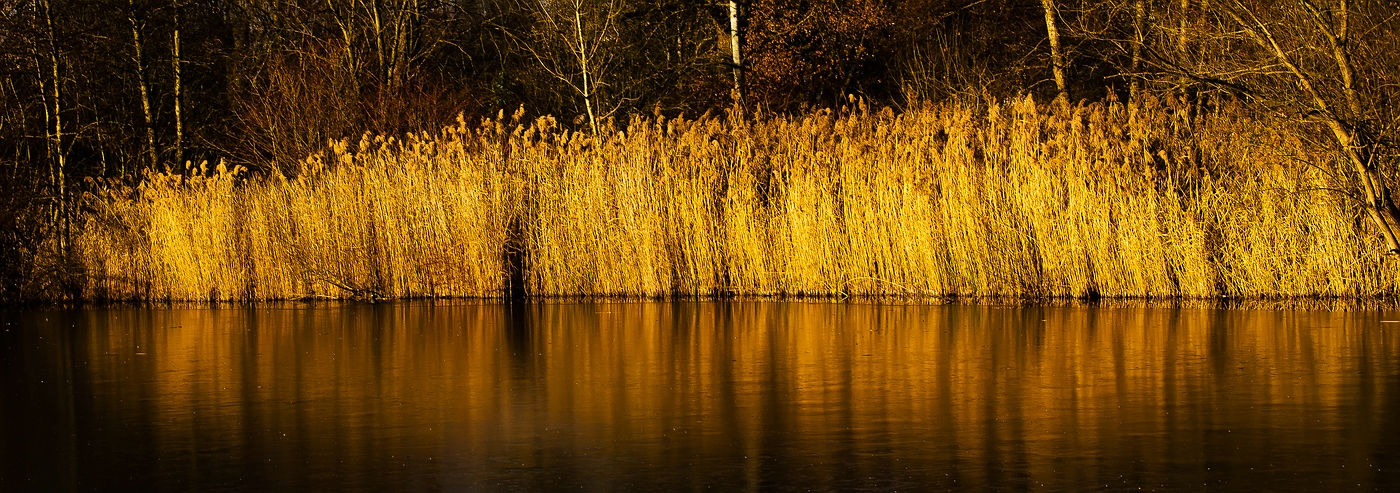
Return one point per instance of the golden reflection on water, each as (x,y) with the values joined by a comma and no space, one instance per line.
(740,396)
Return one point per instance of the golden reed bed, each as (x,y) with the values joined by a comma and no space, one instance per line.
(1015,199)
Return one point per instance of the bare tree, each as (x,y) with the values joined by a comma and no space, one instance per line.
(1309,68)
(574,44)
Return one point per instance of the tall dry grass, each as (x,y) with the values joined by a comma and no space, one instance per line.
(1014,199)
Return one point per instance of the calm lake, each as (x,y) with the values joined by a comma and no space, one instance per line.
(722,396)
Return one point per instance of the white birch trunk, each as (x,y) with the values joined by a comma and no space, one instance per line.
(1057,58)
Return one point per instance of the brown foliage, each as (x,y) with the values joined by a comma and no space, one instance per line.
(817,50)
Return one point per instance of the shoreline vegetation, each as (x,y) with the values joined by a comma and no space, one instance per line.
(1011,199)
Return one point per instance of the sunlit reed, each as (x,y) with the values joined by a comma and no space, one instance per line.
(1012,199)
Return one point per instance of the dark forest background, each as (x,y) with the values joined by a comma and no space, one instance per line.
(95,91)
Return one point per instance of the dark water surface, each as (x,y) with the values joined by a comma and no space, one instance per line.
(699,396)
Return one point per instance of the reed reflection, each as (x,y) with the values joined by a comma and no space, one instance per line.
(643,396)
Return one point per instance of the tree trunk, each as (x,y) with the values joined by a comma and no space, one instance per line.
(1341,53)
(406,35)
(1379,205)
(583,66)
(138,54)
(734,49)
(1057,59)
(54,112)
(1139,17)
(175,68)
(383,71)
